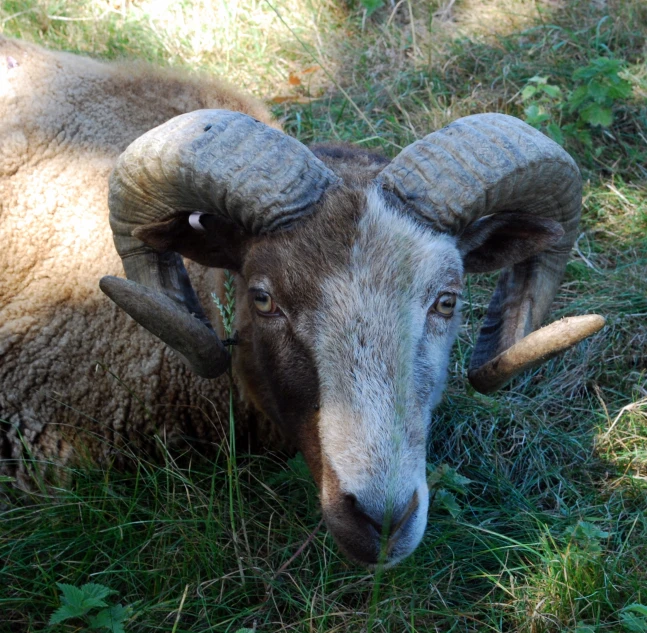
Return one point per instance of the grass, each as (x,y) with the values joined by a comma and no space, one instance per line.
(551,532)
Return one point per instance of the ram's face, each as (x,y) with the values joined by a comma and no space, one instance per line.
(346,320)
(347,327)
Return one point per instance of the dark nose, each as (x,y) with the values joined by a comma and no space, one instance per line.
(361,533)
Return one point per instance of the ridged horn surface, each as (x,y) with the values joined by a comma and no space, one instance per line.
(481,165)
(222,163)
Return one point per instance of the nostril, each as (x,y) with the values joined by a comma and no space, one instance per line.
(362,517)
(350,499)
(364,524)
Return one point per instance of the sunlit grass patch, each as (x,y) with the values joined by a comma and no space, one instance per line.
(251,42)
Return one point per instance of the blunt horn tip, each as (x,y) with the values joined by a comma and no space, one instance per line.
(534,349)
(197,344)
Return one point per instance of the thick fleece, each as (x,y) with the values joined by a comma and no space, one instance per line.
(78,377)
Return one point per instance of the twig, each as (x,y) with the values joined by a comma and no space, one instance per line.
(296,554)
(15,15)
(413,28)
(588,262)
(62,18)
(632,406)
(179,611)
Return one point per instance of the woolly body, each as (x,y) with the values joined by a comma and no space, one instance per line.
(72,364)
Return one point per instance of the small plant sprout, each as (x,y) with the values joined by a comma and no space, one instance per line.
(227,312)
(227,309)
(634,618)
(542,98)
(444,483)
(571,114)
(87,604)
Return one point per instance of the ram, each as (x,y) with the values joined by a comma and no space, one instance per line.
(349,273)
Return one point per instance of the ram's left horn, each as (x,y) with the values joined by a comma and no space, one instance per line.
(533,350)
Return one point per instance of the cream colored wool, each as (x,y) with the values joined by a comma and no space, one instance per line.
(78,377)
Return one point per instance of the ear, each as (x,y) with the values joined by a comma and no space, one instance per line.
(502,240)
(206,239)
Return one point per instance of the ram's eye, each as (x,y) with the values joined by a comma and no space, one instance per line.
(265,305)
(445,304)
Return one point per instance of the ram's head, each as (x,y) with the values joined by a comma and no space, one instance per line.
(349,285)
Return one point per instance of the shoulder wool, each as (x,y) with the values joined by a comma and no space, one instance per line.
(78,378)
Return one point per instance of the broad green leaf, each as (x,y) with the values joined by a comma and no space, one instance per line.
(71,595)
(528,92)
(448,501)
(535,116)
(111,619)
(595,114)
(598,91)
(577,98)
(637,607)
(597,67)
(633,623)
(65,612)
(371,5)
(555,132)
(96,591)
(445,475)
(459,480)
(620,90)
(593,531)
(552,91)
(94,603)
(581,134)
(586,529)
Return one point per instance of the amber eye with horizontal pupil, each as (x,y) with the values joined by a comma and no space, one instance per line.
(445,304)
(264,303)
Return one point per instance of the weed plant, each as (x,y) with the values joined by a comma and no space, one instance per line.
(538,518)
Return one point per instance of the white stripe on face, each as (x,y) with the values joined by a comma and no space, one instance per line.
(382,360)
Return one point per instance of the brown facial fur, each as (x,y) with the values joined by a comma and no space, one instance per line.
(274,366)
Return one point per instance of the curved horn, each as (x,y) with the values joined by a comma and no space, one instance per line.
(481,165)
(218,162)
